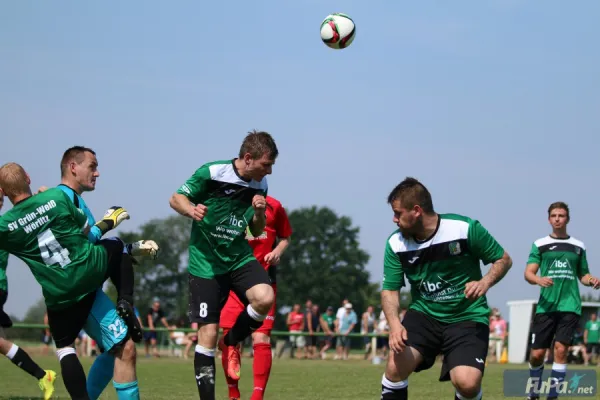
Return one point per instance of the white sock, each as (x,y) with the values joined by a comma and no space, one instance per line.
(205,351)
(12,351)
(393,385)
(559,367)
(254,315)
(461,397)
(65,351)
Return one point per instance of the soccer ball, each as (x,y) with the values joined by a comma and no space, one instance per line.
(338,31)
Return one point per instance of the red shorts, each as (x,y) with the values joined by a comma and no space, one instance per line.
(234,307)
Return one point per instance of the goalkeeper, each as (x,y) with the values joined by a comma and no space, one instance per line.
(79,171)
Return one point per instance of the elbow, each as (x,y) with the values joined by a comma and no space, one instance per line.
(173,201)
(507,261)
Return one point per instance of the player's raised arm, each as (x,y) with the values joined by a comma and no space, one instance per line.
(259,220)
(188,198)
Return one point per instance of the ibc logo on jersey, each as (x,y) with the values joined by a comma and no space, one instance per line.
(233,220)
(431,287)
(561,264)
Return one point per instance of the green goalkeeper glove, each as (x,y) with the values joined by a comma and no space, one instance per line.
(112,218)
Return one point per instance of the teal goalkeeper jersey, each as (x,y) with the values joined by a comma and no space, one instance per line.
(218,243)
(45,232)
(438,269)
(564,261)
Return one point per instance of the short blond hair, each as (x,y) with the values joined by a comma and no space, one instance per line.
(13,180)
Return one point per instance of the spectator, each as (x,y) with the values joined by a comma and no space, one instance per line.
(328,325)
(577,346)
(314,326)
(46,336)
(383,329)
(497,333)
(295,323)
(308,329)
(338,317)
(346,325)
(591,337)
(367,327)
(154,316)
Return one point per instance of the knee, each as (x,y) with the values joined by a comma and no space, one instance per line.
(466,381)
(537,357)
(262,298)
(5,346)
(128,352)
(258,338)
(207,335)
(560,352)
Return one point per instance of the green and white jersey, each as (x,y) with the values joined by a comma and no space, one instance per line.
(439,268)
(45,231)
(564,261)
(3,266)
(218,243)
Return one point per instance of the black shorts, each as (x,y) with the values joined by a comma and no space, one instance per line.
(461,343)
(559,326)
(593,348)
(66,323)
(5,321)
(208,296)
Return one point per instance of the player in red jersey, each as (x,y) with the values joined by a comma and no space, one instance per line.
(268,254)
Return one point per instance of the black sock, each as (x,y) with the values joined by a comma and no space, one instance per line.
(72,374)
(22,360)
(243,327)
(393,390)
(123,279)
(204,368)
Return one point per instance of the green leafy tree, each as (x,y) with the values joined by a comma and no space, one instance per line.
(165,278)
(324,263)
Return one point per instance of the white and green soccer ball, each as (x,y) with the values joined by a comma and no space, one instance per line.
(338,31)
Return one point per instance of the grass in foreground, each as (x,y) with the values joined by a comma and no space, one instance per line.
(173,378)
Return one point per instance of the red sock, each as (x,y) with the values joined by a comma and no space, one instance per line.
(234,391)
(263,358)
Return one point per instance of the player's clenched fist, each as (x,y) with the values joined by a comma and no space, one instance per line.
(198,212)
(112,218)
(397,338)
(259,203)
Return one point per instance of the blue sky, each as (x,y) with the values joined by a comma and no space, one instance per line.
(493,104)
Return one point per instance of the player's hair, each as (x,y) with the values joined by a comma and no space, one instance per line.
(411,192)
(13,180)
(75,153)
(559,204)
(259,143)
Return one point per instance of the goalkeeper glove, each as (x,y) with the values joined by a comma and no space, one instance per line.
(143,248)
(112,218)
